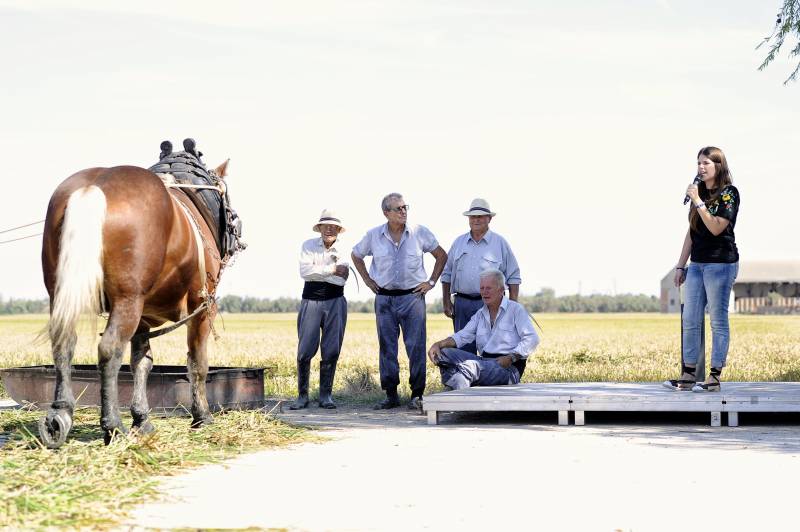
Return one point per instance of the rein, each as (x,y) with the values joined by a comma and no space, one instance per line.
(170,328)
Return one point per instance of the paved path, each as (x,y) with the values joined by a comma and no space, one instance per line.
(385,471)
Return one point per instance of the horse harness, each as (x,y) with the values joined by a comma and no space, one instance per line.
(186,171)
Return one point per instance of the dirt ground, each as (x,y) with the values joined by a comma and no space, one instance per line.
(391,471)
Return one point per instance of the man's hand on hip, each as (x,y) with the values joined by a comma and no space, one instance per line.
(505,361)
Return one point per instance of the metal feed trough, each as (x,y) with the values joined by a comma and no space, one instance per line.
(168,388)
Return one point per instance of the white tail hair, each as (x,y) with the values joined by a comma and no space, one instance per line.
(79,275)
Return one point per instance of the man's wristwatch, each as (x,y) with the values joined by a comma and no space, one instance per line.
(431,282)
(514,357)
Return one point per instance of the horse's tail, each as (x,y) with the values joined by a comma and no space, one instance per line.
(79,274)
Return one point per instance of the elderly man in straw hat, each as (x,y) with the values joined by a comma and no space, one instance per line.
(397,276)
(323,308)
(471,253)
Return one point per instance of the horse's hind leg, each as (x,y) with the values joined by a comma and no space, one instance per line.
(141,364)
(122,323)
(197,364)
(55,426)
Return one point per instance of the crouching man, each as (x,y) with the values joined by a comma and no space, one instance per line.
(504,335)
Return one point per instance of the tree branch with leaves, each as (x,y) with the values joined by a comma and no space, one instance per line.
(788,24)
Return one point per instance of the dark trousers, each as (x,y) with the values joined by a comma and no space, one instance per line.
(393,314)
(329,317)
(463,310)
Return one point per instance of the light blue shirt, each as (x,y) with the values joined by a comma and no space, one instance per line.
(513,331)
(467,259)
(397,266)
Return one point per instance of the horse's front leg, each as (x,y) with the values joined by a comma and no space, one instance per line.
(141,364)
(197,364)
(54,427)
(122,323)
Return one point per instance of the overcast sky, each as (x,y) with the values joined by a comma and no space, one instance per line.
(579,122)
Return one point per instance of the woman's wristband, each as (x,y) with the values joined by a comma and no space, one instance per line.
(682,268)
(700,205)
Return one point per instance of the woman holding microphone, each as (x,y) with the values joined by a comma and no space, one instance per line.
(711,244)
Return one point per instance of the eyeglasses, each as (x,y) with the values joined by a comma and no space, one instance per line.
(401,208)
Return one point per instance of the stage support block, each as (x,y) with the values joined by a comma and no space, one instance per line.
(733,419)
(563,417)
(579,419)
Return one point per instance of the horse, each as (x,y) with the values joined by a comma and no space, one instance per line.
(119,240)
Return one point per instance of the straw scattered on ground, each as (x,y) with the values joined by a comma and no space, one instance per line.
(88,484)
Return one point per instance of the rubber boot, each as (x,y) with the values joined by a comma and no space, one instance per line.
(391,401)
(326,372)
(303,370)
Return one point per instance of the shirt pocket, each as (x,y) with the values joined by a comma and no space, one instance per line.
(490,261)
(460,261)
(506,333)
(383,259)
(413,261)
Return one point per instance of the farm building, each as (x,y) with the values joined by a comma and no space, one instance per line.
(762,287)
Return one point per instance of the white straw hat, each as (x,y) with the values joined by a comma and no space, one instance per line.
(328,217)
(479,207)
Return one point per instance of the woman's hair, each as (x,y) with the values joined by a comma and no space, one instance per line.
(722,178)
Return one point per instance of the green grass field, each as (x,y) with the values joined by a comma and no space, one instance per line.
(575,347)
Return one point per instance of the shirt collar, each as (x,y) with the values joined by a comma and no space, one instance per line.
(487,237)
(385,230)
(503,307)
(331,249)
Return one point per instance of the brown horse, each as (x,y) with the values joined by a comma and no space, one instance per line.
(117,239)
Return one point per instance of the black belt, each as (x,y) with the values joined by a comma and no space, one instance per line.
(321,291)
(519,364)
(393,292)
(471,297)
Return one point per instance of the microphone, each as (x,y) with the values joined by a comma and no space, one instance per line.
(696,181)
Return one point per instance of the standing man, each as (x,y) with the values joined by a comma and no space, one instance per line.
(470,254)
(505,337)
(397,276)
(323,308)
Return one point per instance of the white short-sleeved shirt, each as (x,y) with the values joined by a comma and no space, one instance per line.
(318,263)
(513,331)
(397,266)
(467,259)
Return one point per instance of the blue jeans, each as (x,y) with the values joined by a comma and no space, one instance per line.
(707,284)
(461,369)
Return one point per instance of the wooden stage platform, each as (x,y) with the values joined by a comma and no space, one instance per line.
(584,397)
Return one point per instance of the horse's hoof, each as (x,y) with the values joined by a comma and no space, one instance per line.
(143,428)
(110,435)
(53,429)
(202,422)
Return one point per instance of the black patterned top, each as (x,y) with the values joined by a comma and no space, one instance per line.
(721,248)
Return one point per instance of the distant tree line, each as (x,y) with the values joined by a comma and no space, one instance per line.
(24,306)
(544,301)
